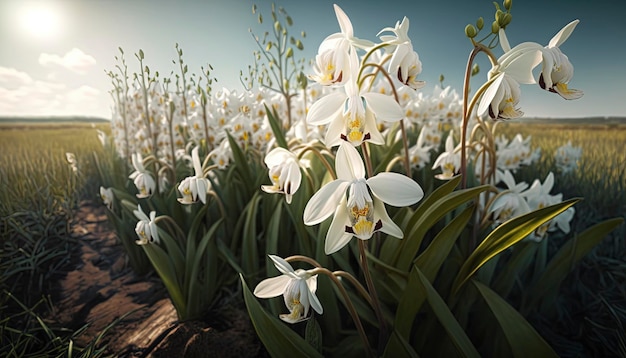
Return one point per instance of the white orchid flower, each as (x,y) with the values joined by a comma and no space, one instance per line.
(419,154)
(557,70)
(515,66)
(362,212)
(141,177)
(333,65)
(298,288)
(284,171)
(405,62)
(510,203)
(106,194)
(566,157)
(351,116)
(196,187)
(146,227)
(449,161)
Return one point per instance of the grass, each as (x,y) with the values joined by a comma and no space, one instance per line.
(592,309)
(39,193)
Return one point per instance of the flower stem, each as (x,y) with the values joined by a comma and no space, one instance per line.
(382,334)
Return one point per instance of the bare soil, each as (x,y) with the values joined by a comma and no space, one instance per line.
(102,290)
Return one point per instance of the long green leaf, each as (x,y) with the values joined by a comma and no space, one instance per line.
(279,339)
(506,235)
(570,253)
(390,252)
(430,261)
(165,269)
(522,337)
(276,128)
(430,217)
(240,159)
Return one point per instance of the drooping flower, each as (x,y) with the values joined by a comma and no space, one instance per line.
(557,70)
(404,63)
(362,211)
(515,66)
(284,172)
(194,188)
(146,227)
(449,161)
(419,154)
(106,194)
(141,177)
(297,287)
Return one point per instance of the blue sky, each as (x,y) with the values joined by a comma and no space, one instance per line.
(55,63)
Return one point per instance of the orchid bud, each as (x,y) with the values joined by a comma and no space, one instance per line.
(289,21)
(508,4)
(480,23)
(289,53)
(470,31)
(277,27)
(475,69)
(495,28)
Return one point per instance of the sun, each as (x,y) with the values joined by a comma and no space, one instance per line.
(40,19)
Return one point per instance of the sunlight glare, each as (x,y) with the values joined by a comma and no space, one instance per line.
(40,19)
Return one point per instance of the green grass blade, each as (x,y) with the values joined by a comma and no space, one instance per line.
(506,235)
(522,337)
(276,128)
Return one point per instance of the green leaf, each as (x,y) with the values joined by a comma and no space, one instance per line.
(165,269)
(240,159)
(430,261)
(278,339)
(418,290)
(398,347)
(506,235)
(249,251)
(522,337)
(276,128)
(422,221)
(313,334)
(569,254)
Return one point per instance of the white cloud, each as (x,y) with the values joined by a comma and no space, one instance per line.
(11,78)
(75,60)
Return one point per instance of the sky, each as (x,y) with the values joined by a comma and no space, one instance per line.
(56,52)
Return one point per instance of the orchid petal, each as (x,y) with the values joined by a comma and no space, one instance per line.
(563,35)
(389,227)
(315,302)
(385,107)
(276,156)
(521,67)
(283,266)
(504,42)
(344,21)
(337,237)
(490,93)
(395,189)
(325,109)
(348,163)
(323,203)
(195,158)
(271,287)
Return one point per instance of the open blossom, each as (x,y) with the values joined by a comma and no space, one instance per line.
(297,287)
(557,70)
(362,211)
(449,161)
(351,116)
(333,64)
(284,172)
(566,157)
(196,187)
(141,177)
(146,227)
(510,202)
(538,196)
(419,154)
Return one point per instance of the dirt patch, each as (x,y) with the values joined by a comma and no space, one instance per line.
(102,289)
